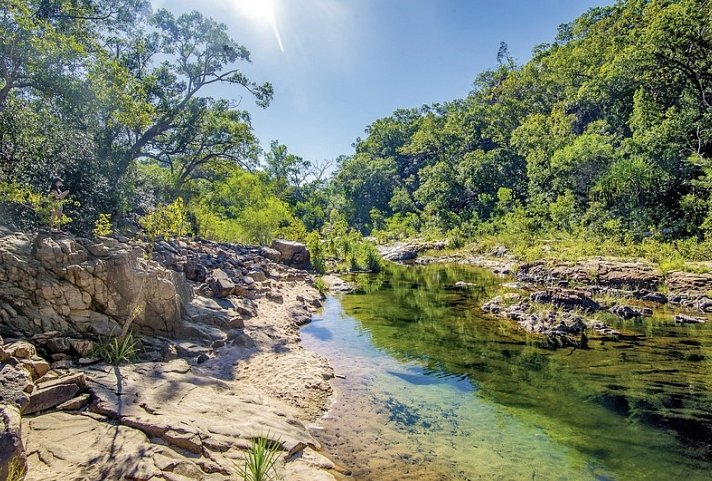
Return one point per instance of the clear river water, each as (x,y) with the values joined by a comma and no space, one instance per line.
(435,389)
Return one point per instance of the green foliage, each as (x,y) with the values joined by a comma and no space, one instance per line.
(47,209)
(90,88)
(118,350)
(608,130)
(102,226)
(260,463)
(343,247)
(166,221)
(317,252)
(238,206)
(320,285)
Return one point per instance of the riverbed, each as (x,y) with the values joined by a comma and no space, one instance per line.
(435,389)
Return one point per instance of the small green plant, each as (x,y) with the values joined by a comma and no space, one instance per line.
(102,226)
(118,350)
(320,285)
(16,470)
(260,463)
(167,221)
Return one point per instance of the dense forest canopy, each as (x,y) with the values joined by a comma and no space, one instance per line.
(608,128)
(605,131)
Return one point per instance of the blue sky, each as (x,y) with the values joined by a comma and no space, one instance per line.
(338,65)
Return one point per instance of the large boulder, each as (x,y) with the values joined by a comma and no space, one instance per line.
(15,386)
(293,254)
(220,283)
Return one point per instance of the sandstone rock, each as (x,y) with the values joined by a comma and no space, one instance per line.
(566,298)
(21,350)
(36,367)
(195,271)
(272,254)
(294,254)
(257,275)
(689,282)
(15,386)
(82,347)
(597,271)
(64,364)
(11,446)
(275,297)
(74,403)
(169,353)
(96,449)
(220,283)
(49,397)
(58,345)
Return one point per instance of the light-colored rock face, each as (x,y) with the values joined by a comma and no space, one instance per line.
(293,254)
(76,286)
(164,421)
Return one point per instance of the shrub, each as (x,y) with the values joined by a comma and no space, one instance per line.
(102,226)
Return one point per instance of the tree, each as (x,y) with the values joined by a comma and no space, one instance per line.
(46,43)
(289,172)
(365,183)
(207,132)
(194,52)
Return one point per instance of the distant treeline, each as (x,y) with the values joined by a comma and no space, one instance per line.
(606,130)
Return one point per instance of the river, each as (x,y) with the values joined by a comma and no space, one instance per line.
(435,389)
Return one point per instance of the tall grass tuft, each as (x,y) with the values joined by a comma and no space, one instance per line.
(260,462)
(16,470)
(118,350)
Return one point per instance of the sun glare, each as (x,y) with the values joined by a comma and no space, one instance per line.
(258,10)
(263,12)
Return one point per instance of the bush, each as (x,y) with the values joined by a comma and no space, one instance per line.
(102,226)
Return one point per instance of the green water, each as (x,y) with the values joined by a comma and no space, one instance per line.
(435,389)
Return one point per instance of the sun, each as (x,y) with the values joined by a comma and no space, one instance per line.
(261,11)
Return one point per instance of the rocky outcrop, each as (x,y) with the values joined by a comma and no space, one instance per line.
(219,343)
(559,327)
(689,283)
(567,299)
(404,251)
(294,254)
(632,275)
(74,285)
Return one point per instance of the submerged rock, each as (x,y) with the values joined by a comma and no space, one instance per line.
(685,319)
(626,312)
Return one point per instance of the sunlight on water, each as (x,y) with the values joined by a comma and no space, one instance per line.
(435,390)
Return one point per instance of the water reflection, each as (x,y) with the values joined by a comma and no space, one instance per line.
(470,396)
